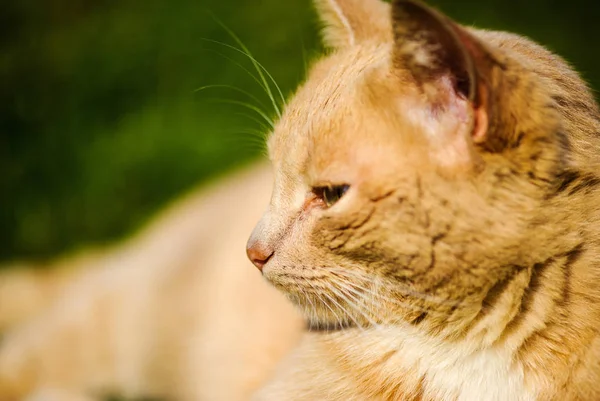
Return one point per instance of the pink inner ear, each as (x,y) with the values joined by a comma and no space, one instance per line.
(446,98)
(480,125)
(480,115)
(478,100)
(449,99)
(456,123)
(451,123)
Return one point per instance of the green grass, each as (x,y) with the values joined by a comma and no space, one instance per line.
(101,123)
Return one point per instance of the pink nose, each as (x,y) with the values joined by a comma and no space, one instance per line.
(258,254)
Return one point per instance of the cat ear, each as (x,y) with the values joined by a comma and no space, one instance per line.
(349,22)
(445,60)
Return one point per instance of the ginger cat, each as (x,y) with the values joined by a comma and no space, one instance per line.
(435,215)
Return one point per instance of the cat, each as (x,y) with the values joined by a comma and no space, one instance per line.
(434,216)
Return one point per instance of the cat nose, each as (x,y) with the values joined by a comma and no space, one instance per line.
(258,254)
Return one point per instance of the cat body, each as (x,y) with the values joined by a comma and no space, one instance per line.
(153,318)
(434,215)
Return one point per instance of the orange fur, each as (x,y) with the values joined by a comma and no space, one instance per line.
(460,264)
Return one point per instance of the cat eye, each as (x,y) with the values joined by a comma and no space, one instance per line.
(331,194)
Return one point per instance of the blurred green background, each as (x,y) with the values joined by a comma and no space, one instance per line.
(100,123)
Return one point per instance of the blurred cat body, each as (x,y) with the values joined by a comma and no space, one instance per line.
(175,312)
(459,262)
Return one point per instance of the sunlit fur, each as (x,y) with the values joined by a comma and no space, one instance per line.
(454,267)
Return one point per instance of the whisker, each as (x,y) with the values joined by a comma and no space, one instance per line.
(263,126)
(245,143)
(371,305)
(377,297)
(253,133)
(404,289)
(312,312)
(314,315)
(248,106)
(258,66)
(355,306)
(254,61)
(403,304)
(415,294)
(325,303)
(234,88)
(247,71)
(256,135)
(342,308)
(334,303)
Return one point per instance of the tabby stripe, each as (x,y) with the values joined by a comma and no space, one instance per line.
(494,294)
(419,319)
(567,178)
(325,327)
(574,182)
(587,182)
(566,103)
(535,282)
(572,257)
(537,272)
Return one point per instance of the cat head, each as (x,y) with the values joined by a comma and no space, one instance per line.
(413,171)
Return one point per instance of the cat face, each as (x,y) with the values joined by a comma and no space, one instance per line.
(409,185)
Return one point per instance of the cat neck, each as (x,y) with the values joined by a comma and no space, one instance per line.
(498,357)
(402,363)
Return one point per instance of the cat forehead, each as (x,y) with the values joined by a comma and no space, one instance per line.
(335,98)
